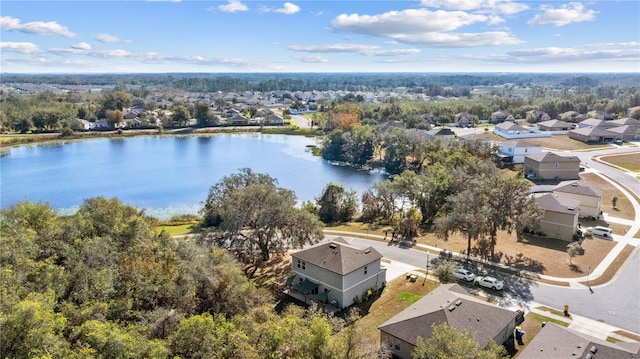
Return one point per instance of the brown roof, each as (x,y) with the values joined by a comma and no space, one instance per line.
(592,131)
(550,157)
(512,126)
(556,342)
(338,256)
(551,202)
(578,187)
(628,121)
(452,304)
(555,123)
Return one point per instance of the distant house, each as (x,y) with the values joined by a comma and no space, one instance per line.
(334,273)
(601,115)
(572,116)
(589,196)
(627,121)
(86,125)
(509,128)
(464,119)
(560,216)
(514,151)
(627,133)
(594,122)
(555,341)
(383,127)
(238,120)
(592,135)
(501,116)
(442,133)
(550,166)
(451,304)
(555,125)
(274,120)
(534,116)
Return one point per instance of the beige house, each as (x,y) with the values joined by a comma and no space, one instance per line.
(555,125)
(550,166)
(593,134)
(560,216)
(452,304)
(589,196)
(334,273)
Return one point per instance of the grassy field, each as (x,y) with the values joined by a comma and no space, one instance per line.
(563,142)
(177,230)
(630,162)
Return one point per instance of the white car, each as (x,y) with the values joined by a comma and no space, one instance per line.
(489,282)
(464,274)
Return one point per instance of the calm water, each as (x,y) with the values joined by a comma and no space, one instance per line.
(164,175)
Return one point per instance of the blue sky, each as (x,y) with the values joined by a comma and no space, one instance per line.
(319,36)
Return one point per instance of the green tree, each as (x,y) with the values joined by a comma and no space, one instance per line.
(114,117)
(203,114)
(335,204)
(32,328)
(447,342)
(248,212)
(181,115)
(444,272)
(117,100)
(573,249)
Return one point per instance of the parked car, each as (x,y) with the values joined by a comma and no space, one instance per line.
(464,274)
(600,231)
(618,141)
(489,282)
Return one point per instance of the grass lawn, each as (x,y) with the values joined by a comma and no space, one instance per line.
(563,142)
(399,294)
(177,230)
(630,162)
(624,208)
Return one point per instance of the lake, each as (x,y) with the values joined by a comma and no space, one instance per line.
(165,175)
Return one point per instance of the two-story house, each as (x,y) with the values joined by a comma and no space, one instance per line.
(589,196)
(515,150)
(550,166)
(560,216)
(334,273)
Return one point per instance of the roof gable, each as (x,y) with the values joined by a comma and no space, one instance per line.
(452,304)
(338,256)
(578,187)
(553,203)
(550,157)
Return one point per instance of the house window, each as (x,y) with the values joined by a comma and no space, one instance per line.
(314,290)
(396,346)
(303,265)
(365,269)
(525,150)
(298,263)
(557,165)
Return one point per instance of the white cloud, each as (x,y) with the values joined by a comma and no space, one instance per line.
(81,46)
(563,55)
(393,23)
(110,53)
(107,38)
(506,7)
(564,15)
(443,40)
(233,6)
(367,50)
(20,47)
(37,27)
(316,58)
(288,9)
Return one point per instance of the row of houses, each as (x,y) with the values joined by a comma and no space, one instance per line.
(335,274)
(589,130)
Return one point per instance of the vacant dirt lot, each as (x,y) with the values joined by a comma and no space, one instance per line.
(541,255)
(562,142)
(629,161)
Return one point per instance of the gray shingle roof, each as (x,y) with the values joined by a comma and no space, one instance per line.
(551,202)
(556,342)
(578,187)
(452,304)
(338,256)
(550,157)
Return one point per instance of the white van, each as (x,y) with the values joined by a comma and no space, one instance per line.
(600,231)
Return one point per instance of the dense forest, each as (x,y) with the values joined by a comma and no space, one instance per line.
(211,82)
